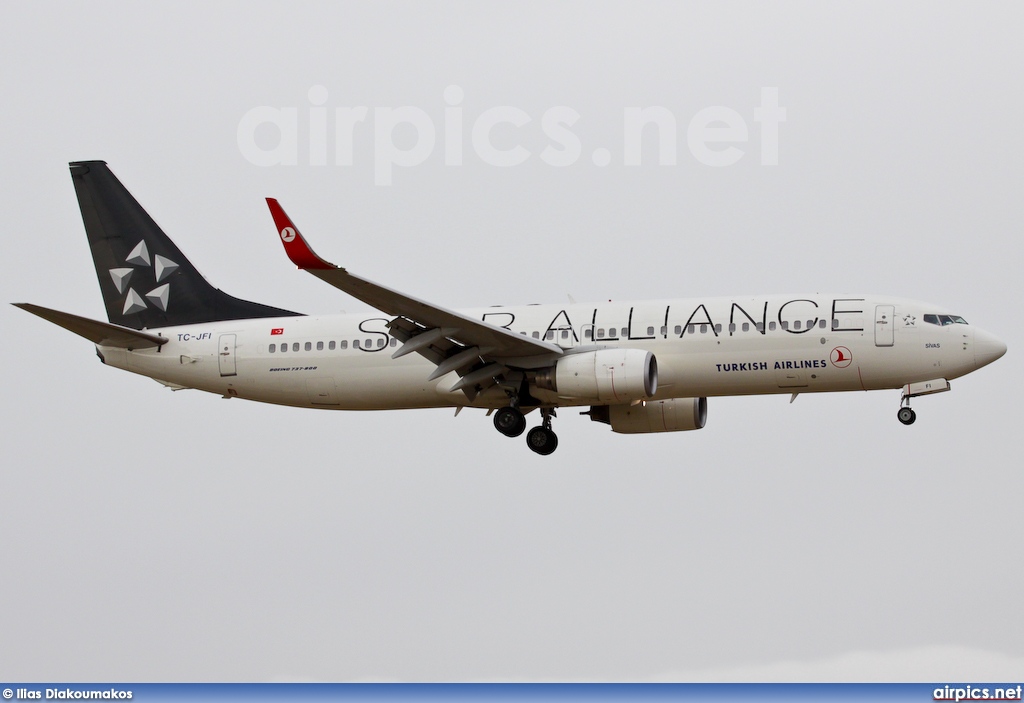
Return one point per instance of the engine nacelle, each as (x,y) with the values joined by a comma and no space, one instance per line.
(672,415)
(608,375)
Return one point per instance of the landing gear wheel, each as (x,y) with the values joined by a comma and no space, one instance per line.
(542,440)
(509,421)
(906,416)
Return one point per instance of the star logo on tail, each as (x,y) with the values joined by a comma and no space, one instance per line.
(139,258)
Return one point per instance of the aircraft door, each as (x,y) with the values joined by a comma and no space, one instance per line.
(884,325)
(226,355)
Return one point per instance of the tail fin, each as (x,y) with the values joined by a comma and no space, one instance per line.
(145,279)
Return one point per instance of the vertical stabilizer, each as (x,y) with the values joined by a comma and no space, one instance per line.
(145,279)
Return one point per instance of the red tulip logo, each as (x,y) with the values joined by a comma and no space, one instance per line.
(841,357)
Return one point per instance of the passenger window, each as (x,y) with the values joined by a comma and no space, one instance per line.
(664,331)
(536,335)
(589,334)
(284,348)
(600,333)
(368,344)
(565,334)
(343,344)
(718,327)
(821,324)
(678,330)
(760,327)
(272,348)
(319,346)
(771,326)
(355,343)
(625,332)
(330,345)
(732,327)
(650,331)
(785,325)
(295,346)
(796,324)
(380,343)
(394,342)
(549,335)
(309,346)
(690,329)
(746,326)
(810,324)
(703,329)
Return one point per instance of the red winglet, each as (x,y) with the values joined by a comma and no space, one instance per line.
(294,245)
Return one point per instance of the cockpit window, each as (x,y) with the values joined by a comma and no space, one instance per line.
(943,320)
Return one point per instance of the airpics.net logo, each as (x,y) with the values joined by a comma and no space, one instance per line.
(407,136)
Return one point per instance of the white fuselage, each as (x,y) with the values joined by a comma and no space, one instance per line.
(703,347)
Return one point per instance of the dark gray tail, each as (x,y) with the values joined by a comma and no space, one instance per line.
(145,279)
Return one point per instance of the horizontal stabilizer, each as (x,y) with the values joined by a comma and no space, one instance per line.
(102,333)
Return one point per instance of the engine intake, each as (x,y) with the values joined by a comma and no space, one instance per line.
(672,415)
(607,375)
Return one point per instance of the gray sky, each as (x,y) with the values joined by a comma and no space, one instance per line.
(151,535)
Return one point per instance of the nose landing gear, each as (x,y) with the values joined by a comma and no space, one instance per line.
(905,414)
(912,390)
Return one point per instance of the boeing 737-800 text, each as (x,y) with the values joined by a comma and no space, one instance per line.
(646,366)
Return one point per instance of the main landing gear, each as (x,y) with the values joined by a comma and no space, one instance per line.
(541,439)
(511,422)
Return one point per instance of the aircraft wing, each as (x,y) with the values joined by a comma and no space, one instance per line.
(478,351)
(102,333)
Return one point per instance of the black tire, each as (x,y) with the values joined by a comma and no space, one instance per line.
(509,421)
(906,416)
(542,440)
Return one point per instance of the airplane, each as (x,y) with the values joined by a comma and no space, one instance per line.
(639,367)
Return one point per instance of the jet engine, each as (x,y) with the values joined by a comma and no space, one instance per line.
(607,375)
(672,415)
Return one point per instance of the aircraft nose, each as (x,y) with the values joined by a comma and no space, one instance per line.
(986,348)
